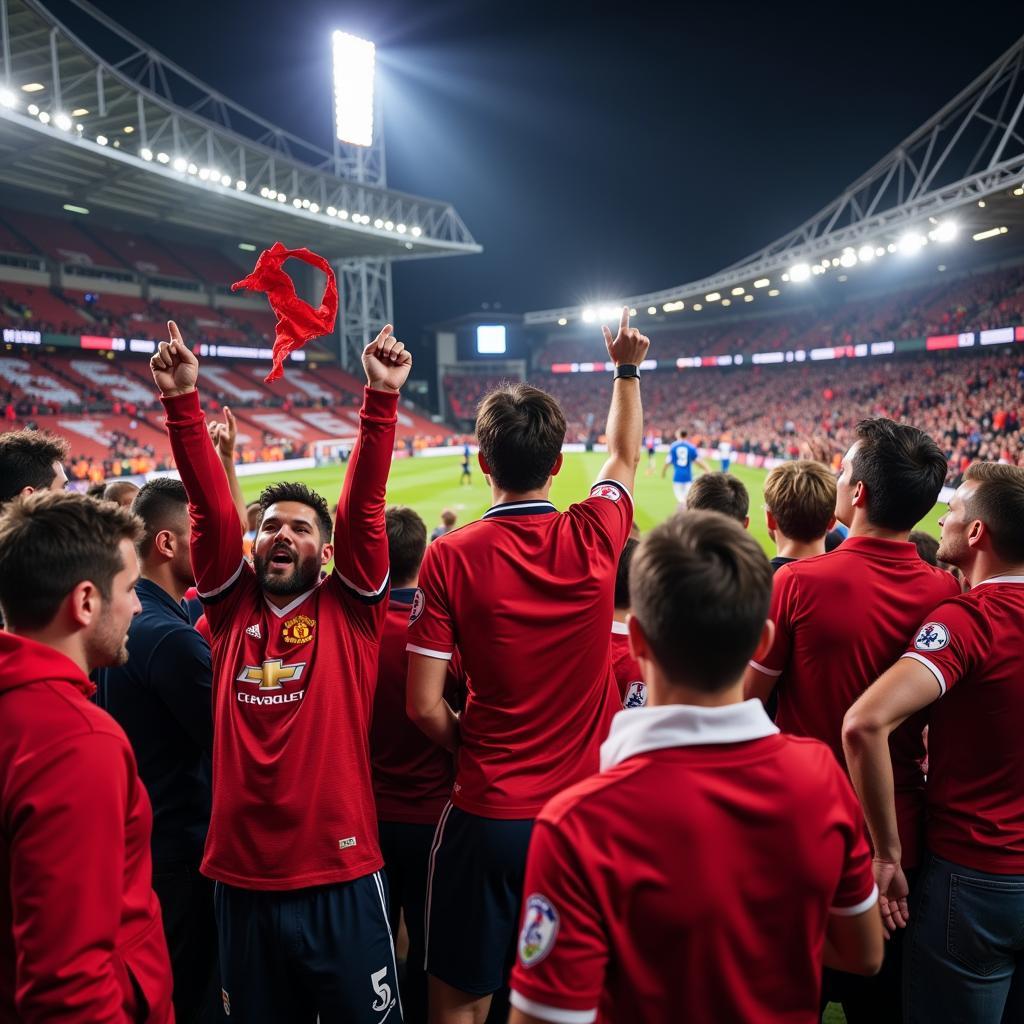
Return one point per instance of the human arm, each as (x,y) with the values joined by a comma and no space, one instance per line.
(360,541)
(905,688)
(67,850)
(855,943)
(762,676)
(223,437)
(425,704)
(625,428)
(216,537)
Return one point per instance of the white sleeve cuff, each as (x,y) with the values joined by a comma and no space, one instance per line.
(442,655)
(551,1013)
(935,671)
(858,908)
(611,480)
(764,671)
(224,586)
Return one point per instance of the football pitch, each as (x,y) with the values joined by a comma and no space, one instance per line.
(431,484)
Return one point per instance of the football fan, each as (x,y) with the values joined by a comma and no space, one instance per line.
(841,619)
(293,833)
(964,956)
(31,461)
(714,863)
(632,689)
(800,509)
(720,492)
(80,934)
(526,594)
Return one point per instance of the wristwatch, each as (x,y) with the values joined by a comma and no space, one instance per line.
(628,371)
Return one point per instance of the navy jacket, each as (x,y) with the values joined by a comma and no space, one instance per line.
(162,699)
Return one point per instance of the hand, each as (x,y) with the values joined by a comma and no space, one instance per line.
(175,368)
(386,362)
(629,346)
(223,434)
(892,894)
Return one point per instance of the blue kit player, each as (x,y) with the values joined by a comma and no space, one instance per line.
(682,457)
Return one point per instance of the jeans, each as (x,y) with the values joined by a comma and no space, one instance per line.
(964,956)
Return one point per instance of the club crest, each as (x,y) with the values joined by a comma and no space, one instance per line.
(540,928)
(932,637)
(298,630)
(419,602)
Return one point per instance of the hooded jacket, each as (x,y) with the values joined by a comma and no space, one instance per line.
(81,938)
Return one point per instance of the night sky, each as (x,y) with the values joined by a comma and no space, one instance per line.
(598,150)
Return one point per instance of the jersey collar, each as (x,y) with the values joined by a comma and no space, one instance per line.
(998,579)
(641,730)
(520,508)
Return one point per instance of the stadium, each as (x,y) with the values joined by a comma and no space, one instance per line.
(131,194)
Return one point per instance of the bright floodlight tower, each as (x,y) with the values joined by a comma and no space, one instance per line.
(113,125)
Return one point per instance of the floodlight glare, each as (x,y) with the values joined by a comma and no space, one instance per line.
(490,339)
(354,60)
(588,316)
(180,164)
(866,253)
(945,232)
(8,99)
(800,272)
(911,243)
(562,321)
(848,259)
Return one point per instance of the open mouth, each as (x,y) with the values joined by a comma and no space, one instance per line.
(281,558)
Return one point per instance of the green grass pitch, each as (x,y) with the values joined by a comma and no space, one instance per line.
(429,485)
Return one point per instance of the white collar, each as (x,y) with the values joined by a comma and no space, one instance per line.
(291,606)
(640,730)
(620,628)
(999,579)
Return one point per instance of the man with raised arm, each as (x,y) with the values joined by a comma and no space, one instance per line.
(292,844)
(527,595)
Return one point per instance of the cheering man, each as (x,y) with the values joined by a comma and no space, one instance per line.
(301,909)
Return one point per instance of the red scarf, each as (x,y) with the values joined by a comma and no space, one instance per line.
(297,321)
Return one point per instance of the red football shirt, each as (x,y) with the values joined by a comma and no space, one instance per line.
(632,688)
(841,620)
(292,687)
(412,776)
(974,798)
(692,879)
(527,594)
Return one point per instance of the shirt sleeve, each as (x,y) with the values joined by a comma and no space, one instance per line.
(607,515)
(360,538)
(66,877)
(431,629)
(180,673)
(785,594)
(856,892)
(951,643)
(562,951)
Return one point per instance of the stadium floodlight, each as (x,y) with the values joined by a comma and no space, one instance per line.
(651,310)
(401,229)
(281,197)
(762,282)
(818,269)
(204,174)
(946,231)
(32,109)
(240,185)
(712,296)
(748,298)
(44,117)
(33,87)
(848,259)
(1018,191)
(193,169)
(697,307)
(378,223)
(726,302)
(589,316)
(562,321)
(128,129)
(981,204)
(332,211)
(247,246)
(354,61)
(101,140)
(772,292)
(146,154)
(343,215)
(79,112)
(163,158)
(71,208)
(911,243)
(8,99)
(799,272)
(991,233)
(297,203)
(866,253)
(225,180)
(180,164)
(389,225)
(304,203)
(314,207)
(738,290)
(416,232)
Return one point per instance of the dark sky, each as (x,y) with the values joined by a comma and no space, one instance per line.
(597,150)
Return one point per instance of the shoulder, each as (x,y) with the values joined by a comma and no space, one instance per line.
(54,713)
(587,798)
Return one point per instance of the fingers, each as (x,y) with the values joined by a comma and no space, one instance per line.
(377,342)
(229,418)
(624,319)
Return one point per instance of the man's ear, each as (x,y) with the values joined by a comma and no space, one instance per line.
(764,644)
(484,468)
(163,543)
(638,645)
(746,522)
(770,520)
(860,495)
(831,524)
(977,533)
(326,553)
(557,466)
(84,603)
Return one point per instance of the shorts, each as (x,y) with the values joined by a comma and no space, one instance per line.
(474,895)
(318,954)
(681,490)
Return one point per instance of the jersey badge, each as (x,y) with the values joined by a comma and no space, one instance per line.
(540,927)
(298,630)
(636,695)
(933,637)
(271,674)
(254,631)
(419,602)
(606,491)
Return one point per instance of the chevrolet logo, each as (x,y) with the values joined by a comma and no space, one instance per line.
(271,674)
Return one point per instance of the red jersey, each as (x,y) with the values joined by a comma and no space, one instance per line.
(841,620)
(527,594)
(692,879)
(975,803)
(631,685)
(412,775)
(292,687)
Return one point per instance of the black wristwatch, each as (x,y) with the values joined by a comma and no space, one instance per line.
(630,371)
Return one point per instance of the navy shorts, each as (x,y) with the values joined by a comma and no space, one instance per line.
(320,953)
(474,895)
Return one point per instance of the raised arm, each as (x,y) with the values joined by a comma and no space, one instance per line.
(223,437)
(216,537)
(625,416)
(360,540)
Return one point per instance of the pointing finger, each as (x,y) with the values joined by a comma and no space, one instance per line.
(624,319)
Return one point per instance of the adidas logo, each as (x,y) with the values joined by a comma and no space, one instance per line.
(254,631)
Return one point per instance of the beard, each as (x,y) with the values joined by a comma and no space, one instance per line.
(951,550)
(108,648)
(301,577)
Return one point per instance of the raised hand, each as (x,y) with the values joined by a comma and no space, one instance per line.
(175,369)
(386,361)
(223,434)
(629,346)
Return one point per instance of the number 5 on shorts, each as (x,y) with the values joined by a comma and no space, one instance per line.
(381,988)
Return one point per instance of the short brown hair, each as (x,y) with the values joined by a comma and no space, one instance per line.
(801,497)
(26,460)
(49,543)
(407,541)
(719,492)
(998,502)
(700,587)
(520,430)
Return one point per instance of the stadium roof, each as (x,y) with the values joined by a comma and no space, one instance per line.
(961,174)
(139,135)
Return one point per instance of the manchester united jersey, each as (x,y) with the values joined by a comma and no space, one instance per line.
(293,686)
(527,594)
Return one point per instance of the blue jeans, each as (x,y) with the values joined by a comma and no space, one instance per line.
(964,957)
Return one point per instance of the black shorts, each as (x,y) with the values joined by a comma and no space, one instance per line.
(474,894)
(323,953)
